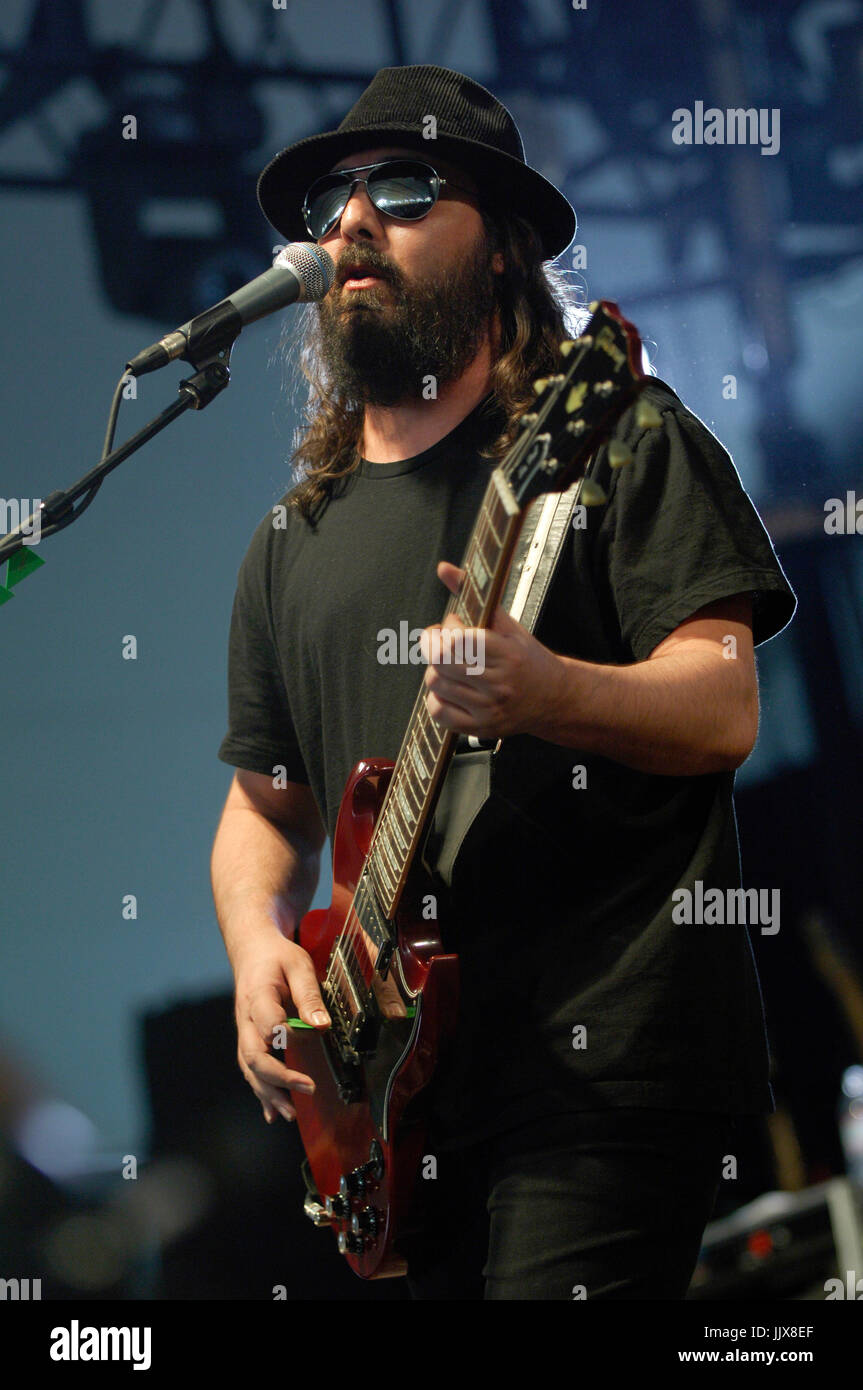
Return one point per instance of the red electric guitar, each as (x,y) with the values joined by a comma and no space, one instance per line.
(363,1128)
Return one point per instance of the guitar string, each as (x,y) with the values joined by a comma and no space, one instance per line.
(403,780)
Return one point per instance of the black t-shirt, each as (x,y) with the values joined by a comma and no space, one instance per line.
(578,989)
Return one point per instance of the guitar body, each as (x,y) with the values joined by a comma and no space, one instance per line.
(372,1143)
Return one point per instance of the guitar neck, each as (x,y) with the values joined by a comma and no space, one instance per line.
(427,747)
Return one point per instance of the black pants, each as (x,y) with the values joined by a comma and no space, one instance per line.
(599,1204)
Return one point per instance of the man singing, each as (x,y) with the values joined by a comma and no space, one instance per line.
(603,1048)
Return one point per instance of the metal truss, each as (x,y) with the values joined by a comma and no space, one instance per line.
(621,70)
(593,89)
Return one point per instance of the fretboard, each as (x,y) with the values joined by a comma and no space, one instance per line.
(427,747)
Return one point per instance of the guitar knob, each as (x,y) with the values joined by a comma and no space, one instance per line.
(365,1222)
(355,1183)
(350,1244)
(352,1184)
(337,1206)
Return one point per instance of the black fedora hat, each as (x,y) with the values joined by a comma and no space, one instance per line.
(471,127)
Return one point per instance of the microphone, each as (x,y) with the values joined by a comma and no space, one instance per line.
(301,271)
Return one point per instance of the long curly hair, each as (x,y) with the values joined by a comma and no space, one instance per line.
(538,306)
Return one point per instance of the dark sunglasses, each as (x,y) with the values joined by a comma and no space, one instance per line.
(403,188)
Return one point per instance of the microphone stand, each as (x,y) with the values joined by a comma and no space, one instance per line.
(211,376)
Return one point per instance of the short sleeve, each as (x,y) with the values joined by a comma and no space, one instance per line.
(261,733)
(680,531)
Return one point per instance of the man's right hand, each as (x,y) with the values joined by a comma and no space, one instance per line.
(273,984)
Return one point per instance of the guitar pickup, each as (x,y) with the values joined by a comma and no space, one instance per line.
(363,1035)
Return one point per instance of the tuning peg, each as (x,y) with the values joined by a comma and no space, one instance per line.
(575,397)
(618,454)
(540,384)
(585,341)
(647,417)
(591,494)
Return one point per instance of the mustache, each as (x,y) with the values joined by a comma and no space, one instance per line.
(364,258)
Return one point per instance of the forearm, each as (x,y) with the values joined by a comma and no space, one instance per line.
(263,881)
(684,714)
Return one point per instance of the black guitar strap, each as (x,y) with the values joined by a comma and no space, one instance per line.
(468,782)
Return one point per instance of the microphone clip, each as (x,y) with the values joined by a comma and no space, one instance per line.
(210,378)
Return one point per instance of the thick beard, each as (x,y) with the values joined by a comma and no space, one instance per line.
(385,345)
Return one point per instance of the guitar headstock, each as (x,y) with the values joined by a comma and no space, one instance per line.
(577,407)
